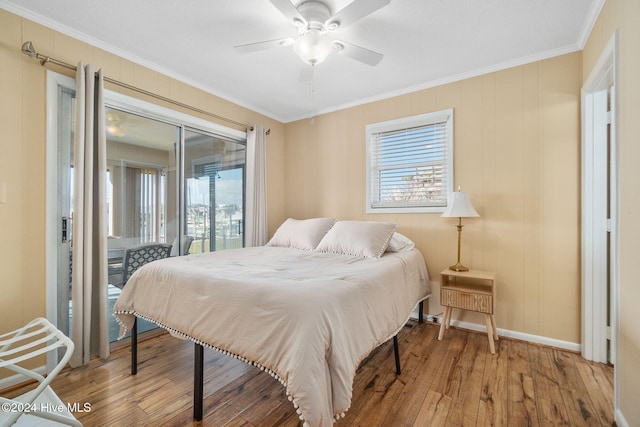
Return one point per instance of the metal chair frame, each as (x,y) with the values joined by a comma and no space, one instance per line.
(40,404)
(134,258)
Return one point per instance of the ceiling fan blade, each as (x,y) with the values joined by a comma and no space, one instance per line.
(269,44)
(358,53)
(289,10)
(354,11)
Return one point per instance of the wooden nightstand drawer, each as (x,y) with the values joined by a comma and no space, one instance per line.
(472,290)
(466,300)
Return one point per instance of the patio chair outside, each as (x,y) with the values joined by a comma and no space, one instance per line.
(186,245)
(134,258)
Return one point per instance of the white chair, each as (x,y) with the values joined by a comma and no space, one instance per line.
(186,244)
(39,406)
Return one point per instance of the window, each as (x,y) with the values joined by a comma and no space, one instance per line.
(136,200)
(410,163)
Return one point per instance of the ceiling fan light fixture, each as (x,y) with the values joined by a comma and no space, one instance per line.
(116,130)
(115,124)
(333,25)
(287,42)
(299,23)
(314,20)
(337,46)
(312,47)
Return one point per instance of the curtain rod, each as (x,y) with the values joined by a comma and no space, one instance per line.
(29,50)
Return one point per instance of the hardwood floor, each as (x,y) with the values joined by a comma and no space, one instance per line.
(443,383)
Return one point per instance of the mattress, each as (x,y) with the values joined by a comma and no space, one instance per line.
(308,318)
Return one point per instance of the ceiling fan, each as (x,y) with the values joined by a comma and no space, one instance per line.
(315,21)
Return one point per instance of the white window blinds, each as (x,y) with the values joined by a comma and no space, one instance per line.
(410,163)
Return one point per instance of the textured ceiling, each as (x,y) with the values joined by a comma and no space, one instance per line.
(424,42)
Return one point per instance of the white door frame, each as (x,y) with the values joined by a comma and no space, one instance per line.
(598,261)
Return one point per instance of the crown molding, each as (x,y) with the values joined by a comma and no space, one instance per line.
(449,79)
(592,17)
(85,38)
(590,21)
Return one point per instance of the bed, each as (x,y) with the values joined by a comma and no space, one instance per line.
(307,308)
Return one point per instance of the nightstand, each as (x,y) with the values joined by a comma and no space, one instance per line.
(469,290)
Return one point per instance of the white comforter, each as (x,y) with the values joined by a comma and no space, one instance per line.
(307,317)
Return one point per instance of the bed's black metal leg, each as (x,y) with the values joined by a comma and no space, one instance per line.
(198,380)
(134,347)
(420,311)
(397,353)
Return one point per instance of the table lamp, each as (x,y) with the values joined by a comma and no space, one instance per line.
(459,207)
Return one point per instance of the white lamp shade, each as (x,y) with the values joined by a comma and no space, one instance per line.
(312,47)
(459,206)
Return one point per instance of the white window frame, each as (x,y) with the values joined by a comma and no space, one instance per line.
(443,116)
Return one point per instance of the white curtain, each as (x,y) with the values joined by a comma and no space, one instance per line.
(89,321)
(256,188)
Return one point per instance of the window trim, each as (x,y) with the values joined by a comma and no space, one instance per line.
(407,122)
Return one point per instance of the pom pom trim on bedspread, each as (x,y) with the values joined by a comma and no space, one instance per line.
(271,372)
(226,353)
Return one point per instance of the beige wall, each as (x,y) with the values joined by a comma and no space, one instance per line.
(517,152)
(22,151)
(624,16)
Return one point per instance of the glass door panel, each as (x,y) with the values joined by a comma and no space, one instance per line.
(141,177)
(213,191)
(142,202)
(64,215)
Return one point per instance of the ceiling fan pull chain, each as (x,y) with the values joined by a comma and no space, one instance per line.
(312,91)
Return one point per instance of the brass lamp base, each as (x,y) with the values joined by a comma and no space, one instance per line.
(458,267)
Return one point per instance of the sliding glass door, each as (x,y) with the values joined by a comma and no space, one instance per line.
(142,201)
(142,197)
(66,103)
(214,191)
(171,178)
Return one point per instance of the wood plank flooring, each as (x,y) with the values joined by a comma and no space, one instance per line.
(454,382)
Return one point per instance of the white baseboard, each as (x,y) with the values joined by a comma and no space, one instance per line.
(565,345)
(621,421)
(17,379)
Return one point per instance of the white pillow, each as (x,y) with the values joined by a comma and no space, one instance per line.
(357,238)
(400,243)
(301,233)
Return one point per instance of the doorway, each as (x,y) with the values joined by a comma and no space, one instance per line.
(600,210)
